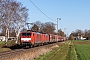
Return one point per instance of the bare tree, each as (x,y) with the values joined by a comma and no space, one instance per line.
(13,15)
(48,27)
(79,33)
(35,28)
(71,37)
(61,33)
(39,24)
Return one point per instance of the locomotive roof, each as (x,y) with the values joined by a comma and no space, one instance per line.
(28,31)
(35,31)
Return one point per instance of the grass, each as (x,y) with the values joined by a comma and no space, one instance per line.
(80,40)
(44,57)
(83,50)
(59,53)
(9,43)
(4,49)
(76,50)
(2,42)
(47,55)
(71,53)
(62,53)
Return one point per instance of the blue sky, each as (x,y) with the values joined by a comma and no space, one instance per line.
(74,14)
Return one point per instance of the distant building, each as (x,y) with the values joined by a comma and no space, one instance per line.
(2,38)
(12,38)
(80,38)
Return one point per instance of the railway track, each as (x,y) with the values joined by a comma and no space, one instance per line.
(10,54)
(27,54)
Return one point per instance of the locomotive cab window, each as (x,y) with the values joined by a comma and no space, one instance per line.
(23,34)
(28,34)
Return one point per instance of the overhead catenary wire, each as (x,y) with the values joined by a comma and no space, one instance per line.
(42,11)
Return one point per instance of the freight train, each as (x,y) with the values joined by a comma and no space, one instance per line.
(31,38)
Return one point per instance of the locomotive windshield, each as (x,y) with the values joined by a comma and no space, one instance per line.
(26,34)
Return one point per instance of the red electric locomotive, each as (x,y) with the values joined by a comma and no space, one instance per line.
(31,38)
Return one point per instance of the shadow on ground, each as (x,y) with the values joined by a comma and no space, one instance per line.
(17,46)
